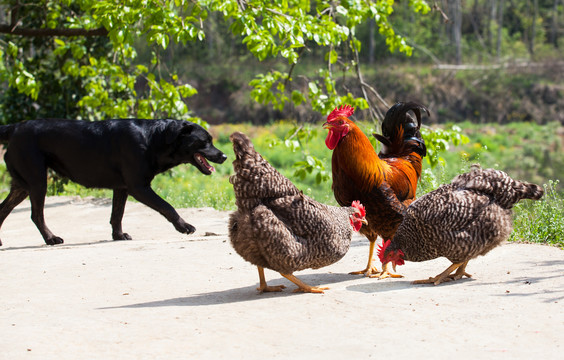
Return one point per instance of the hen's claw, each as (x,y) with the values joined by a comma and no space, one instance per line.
(312,289)
(446,275)
(267,288)
(386,273)
(303,287)
(369,271)
(263,287)
(460,272)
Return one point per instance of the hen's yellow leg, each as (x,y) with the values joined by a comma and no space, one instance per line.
(370,270)
(303,287)
(265,288)
(442,277)
(460,272)
(386,273)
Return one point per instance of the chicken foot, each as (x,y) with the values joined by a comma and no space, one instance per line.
(386,273)
(370,270)
(460,272)
(446,275)
(263,287)
(303,287)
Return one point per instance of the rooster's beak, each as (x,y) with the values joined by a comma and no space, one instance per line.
(364,221)
(327,125)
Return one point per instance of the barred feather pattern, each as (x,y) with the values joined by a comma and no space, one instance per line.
(276,226)
(463,219)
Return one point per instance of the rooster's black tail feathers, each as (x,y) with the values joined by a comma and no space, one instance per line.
(401,133)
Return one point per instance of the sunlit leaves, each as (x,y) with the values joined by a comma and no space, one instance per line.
(438,140)
(277,28)
(269,29)
(17,75)
(270,88)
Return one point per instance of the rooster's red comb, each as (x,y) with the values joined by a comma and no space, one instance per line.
(360,207)
(344,110)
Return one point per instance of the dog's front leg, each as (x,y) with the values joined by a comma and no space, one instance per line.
(147,196)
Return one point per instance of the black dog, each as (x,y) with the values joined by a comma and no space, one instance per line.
(123,155)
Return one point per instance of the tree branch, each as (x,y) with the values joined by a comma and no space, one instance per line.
(9,29)
(375,112)
(438,8)
(287,81)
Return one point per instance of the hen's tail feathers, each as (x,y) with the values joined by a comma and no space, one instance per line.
(500,186)
(401,133)
(254,177)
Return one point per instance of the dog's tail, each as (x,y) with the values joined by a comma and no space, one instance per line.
(6,132)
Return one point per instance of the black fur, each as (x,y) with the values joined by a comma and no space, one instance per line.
(122,155)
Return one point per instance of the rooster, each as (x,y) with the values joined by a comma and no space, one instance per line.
(460,221)
(276,226)
(385,183)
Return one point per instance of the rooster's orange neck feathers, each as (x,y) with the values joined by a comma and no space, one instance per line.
(368,170)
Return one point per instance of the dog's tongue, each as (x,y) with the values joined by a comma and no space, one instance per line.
(204,162)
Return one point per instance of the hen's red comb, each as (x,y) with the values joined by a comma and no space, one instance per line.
(344,110)
(360,207)
(382,249)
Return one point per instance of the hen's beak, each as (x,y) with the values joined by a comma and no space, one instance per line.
(364,221)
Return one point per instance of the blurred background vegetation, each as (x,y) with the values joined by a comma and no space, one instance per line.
(490,71)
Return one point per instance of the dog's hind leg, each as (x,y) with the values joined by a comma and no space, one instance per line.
(118,207)
(15,197)
(37,196)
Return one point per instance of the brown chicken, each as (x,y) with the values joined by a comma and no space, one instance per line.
(385,183)
(276,226)
(461,220)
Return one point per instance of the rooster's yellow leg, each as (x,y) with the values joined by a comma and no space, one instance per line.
(265,288)
(442,277)
(460,272)
(386,273)
(303,287)
(370,270)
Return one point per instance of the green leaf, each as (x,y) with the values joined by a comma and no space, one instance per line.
(297,98)
(313,88)
(331,56)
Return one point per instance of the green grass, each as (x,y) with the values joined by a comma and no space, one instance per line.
(541,221)
(526,151)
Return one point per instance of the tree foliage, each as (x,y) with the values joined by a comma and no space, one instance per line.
(53,72)
(98,59)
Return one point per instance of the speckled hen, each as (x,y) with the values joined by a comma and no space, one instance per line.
(277,227)
(460,221)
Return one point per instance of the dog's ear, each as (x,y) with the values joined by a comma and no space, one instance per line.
(175,129)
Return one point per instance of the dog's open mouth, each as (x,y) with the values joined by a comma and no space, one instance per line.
(203,164)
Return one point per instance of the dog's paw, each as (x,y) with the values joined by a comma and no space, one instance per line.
(122,236)
(185,228)
(55,240)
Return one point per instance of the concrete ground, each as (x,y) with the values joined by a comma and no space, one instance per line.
(165,295)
